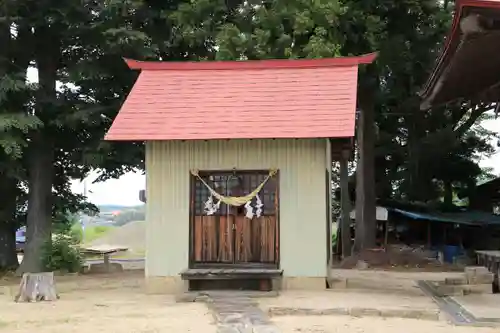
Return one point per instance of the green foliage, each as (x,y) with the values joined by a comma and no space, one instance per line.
(80,45)
(334,235)
(417,152)
(77,46)
(283,29)
(62,254)
(76,233)
(63,222)
(14,125)
(88,234)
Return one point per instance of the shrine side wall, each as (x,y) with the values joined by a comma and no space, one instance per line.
(301,163)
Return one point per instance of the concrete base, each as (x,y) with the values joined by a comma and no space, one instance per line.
(302,283)
(175,285)
(103,268)
(165,285)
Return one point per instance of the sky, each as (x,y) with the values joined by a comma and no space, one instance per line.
(125,190)
(494,160)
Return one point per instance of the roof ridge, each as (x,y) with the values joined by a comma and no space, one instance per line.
(252,64)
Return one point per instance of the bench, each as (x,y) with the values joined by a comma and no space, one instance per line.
(105,252)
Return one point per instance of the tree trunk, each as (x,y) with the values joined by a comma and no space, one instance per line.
(39,219)
(383,184)
(448,194)
(345,205)
(366,223)
(416,189)
(8,254)
(41,151)
(37,287)
(8,225)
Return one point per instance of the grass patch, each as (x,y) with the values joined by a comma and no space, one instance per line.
(91,233)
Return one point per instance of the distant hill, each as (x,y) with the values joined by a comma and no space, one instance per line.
(131,235)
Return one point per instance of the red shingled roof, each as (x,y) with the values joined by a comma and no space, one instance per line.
(240,100)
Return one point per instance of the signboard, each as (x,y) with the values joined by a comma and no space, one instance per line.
(381,214)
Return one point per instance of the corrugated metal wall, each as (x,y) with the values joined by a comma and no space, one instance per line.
(302,197)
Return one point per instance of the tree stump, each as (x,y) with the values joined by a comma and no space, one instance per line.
(35,287)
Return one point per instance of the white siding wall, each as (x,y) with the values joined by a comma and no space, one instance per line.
(301,164)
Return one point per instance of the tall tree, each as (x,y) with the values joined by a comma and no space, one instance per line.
(15,96)
(410,35)
(406,34)
(83,46)
(364,29)
(61,38)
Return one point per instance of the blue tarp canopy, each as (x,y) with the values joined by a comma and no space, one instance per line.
(475,218)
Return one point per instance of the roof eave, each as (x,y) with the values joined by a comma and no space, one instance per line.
(137,138)
(433,84)
(252,64)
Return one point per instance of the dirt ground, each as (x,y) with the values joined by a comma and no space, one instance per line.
(385,302)
(344,324)
(396,259)
(117,303)
(90,308)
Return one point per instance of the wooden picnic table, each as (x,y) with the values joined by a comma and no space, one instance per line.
(490,260)
(105,252)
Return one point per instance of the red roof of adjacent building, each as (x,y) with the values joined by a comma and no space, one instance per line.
(240,100)
(452,44)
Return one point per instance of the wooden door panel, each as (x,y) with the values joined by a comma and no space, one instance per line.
(255,240)
(213,239)
(228,237)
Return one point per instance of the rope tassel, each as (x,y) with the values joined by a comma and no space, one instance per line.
(235,201)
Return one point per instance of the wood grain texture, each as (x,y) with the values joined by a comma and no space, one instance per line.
(213,239)
(255,239)
(229,237)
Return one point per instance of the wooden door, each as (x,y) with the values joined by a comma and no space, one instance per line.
(256,239)
(212,236)
(228,237)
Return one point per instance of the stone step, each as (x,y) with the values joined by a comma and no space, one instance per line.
(478,275)
(443,289)
(455,281)
(367,285)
